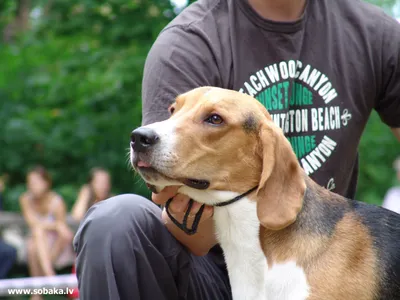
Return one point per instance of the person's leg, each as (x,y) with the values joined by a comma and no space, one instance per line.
(42,249)
(63,240)
(125,252)
(34,267)
(8,255)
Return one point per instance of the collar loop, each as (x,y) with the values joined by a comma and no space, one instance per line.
(190,231)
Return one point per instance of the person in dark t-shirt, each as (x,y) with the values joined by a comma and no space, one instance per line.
(319,66)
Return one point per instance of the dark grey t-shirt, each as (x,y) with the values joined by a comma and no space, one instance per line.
(319,77)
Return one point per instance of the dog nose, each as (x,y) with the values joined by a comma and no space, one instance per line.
(143,138)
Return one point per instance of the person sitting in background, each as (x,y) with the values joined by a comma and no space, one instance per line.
(97,189)
(45,213)
(8,254)
(392,197)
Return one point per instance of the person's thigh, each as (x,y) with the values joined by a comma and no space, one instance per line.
(124,251)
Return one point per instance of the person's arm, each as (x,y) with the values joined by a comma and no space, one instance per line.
(81,204)
(28,213)
(181,59)
(60,214)
(388,102)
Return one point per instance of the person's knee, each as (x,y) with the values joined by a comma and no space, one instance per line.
(66,236)
(115,217)
(115,225)
(38,233)
(123,206)
(121,211)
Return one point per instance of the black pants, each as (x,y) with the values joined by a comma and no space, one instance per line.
(125,252)
(7,258)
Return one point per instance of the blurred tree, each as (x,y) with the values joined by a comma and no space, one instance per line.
(70,88)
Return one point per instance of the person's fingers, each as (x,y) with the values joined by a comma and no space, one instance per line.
(195,209)
(179,204)
(162,197)
(207,213)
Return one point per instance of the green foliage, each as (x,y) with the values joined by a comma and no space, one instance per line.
(386,5)
(70,95)
(70,92)
(378,150)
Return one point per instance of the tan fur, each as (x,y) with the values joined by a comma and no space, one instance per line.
(337,268)
(347,270)
(281,188)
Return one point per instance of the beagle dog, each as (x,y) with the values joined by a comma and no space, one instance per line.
(284,237)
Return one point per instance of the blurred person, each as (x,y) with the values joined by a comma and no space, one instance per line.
(97,189)
(45,213)
(392,197)
(8,254)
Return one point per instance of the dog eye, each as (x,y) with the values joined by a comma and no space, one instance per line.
(171,109)
(214,119)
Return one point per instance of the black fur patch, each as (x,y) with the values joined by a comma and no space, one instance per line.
(319,216)
(250,124)
(384,226)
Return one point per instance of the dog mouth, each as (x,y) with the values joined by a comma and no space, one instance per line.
(150,174)
(146,170)
(198,184)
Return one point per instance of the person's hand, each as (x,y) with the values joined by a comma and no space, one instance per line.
(64,231)
(179,205)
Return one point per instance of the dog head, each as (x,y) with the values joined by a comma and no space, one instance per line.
(222,140)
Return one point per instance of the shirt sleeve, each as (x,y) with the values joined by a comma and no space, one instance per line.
(181,59)
(388,105)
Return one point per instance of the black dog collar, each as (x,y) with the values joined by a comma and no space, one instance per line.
(193,230)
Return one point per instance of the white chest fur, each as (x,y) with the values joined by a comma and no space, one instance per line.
(237,229)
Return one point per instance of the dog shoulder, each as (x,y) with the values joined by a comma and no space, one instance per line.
(384,228)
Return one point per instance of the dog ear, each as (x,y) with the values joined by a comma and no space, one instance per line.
(282,185)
